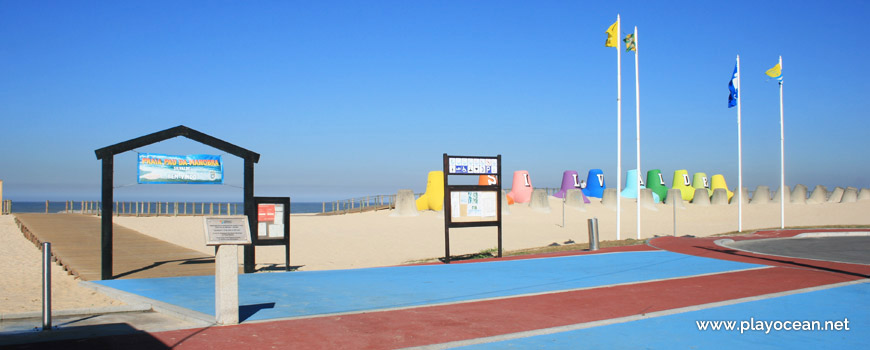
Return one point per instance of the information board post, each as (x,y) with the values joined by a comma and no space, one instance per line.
(227,233)
(471,205)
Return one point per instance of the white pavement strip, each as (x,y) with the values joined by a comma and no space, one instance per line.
(578,326)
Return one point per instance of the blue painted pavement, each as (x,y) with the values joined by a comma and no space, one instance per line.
(680,331)
(305,293)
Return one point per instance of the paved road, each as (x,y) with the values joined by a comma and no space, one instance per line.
(854,250)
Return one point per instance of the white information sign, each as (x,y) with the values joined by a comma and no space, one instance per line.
(227,230)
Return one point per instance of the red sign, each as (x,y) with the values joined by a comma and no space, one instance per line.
(266,212)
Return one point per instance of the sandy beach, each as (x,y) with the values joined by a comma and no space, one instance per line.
(21,278)
(376,239)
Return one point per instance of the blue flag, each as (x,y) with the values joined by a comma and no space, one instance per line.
(732,85)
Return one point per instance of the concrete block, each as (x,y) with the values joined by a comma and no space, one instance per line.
(608,198)
(850,195)
(574,198)
(819,195)
(675,197)
(761,195)
(836,195)
(864,194)
(701,197)
(647,199)
(538,200)
(799,194)
(405,204)
(778,194)
(720,197)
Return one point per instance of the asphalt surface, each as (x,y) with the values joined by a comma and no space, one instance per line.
(855,250)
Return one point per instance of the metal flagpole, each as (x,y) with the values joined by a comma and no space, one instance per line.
(781,154)
(739,155)
(618,125)
(637,106)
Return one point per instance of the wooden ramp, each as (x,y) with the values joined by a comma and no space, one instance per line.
(75,243)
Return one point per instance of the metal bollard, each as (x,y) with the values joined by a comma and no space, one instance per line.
(593,234)
(46,286)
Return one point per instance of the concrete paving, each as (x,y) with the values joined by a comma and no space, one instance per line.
(26,330)
(847,249)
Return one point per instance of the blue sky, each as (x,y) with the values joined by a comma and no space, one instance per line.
(354,98)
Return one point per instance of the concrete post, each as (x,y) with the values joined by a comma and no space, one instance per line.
(226,284)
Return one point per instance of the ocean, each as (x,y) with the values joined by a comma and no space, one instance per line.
(59,207)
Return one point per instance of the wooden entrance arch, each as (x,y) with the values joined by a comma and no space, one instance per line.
(107,155)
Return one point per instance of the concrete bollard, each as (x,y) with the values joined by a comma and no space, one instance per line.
(701,197)
(778,195)
(539,200)
(720,197)
(608,198)
(819,195)
(574,198)
(675,197)
(761,195)
(646,199)
(405,204)
(850,195)
(799,194)
(836,195)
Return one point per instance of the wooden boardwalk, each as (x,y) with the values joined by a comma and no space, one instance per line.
(75,243)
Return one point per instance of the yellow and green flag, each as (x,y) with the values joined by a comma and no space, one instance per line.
(612,37)
(629,43)
(775,72)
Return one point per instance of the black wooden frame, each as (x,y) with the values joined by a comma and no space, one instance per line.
(255,238)
(107,155)
(448,214)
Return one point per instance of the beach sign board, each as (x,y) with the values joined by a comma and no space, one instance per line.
(471,166)
(155,168)
(227,230)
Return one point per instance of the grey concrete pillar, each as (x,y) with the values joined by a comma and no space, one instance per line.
(850,195)
(819,195)
(406,205)
(720,197)
(761,195)
(799,194)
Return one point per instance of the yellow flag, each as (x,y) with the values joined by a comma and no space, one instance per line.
(775,72)
(612,38)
